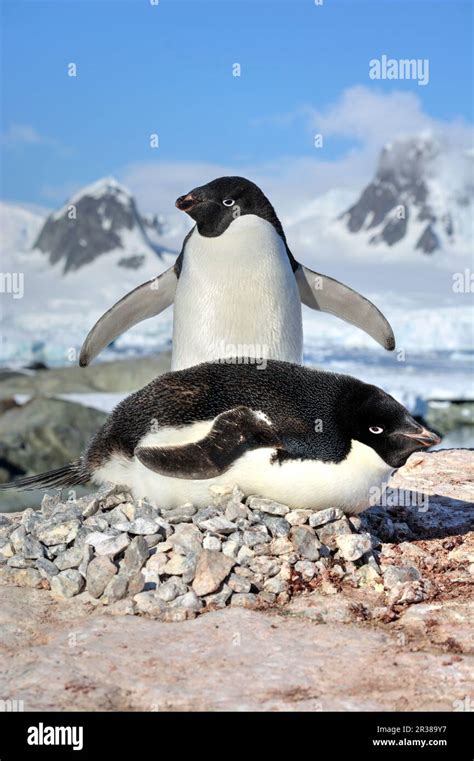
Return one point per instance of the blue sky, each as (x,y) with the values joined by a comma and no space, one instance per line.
(167,69)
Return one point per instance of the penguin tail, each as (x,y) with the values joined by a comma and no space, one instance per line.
(69,475)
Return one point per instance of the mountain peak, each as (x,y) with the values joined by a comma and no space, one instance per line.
(98,219)
(410,195)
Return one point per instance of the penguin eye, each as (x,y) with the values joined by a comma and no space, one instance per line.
(228,201)
(375,429)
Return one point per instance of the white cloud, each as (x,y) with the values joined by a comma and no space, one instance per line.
(23,134)
(365,114)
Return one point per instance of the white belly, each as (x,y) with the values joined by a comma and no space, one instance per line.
(237,296)
(299,484)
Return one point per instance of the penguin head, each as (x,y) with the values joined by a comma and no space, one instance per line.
(380,422)
(215,206)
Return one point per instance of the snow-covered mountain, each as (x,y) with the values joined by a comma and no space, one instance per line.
(73,264)
(417,194)
(100,219)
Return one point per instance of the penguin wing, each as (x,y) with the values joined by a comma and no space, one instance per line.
(148,300)
(328,295)
(233,433)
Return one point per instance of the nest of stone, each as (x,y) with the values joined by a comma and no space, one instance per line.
(175,564)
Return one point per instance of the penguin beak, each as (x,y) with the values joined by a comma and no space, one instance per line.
(187,202)
(423,436)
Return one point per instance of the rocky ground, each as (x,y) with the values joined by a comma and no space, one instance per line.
(109,604)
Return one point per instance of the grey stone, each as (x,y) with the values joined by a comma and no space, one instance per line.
(211,570)
(30,518)
(55,549)
(268,506)
(189,601)
(88,505)
(87,555)
(306,568)
(218,599)
(255,535)
(67,583)
(277,526)
(298,517)
(46,568)
(280,546)
(235,511)
(59,533)
(353,546)
(70,558)
(96,523)
(116,588)
(136,555)
(244,555)
(275,586)
(393,575)
(239,583)
(153,539)
(108,545)
(267,566)
(211,543)
(18,561)
(31,548)
(327,534)
(142,526)
(186,538)
(230,549)
(171,589)
(149,603)
(217,525)
(180,565)
(305,542)
(325,516)
(181,514)
(244,600)
(99,573)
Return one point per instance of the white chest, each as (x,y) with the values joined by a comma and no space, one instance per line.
(237,296)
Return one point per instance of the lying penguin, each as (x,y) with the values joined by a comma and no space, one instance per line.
(307,438)
(236,286)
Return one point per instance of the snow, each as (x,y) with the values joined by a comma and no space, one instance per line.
(433,325)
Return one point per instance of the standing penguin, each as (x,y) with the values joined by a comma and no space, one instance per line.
(307,438)
(237,288)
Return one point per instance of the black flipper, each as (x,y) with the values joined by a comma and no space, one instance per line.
(70,475)
(328,295)
(233,433)
(148,300)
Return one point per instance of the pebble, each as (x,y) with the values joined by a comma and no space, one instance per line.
(244,600)
(60,533)
(393,575)
(305,542)
(170,589)
(67,583)
(46,567)
(211,543)
(116,589)
(104,544)
(325,516)
(99,572)
(353,546)
(267,506)
(217,525)
(327,534)
(173,564)
(298,517)
(70,558)
(239,583)
(306,568)
(136,555)
(211,570)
